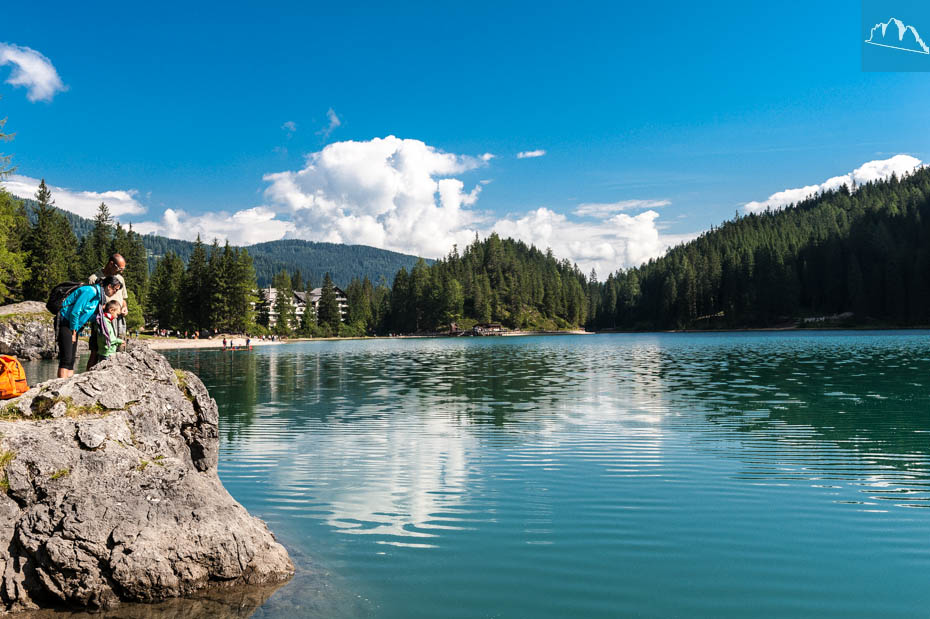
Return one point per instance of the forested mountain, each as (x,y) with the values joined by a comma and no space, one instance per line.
(343,262)
(313,260)
(499,280)
(865,251)
(80,225)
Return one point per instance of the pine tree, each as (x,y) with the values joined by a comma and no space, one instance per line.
(165,303)
(51,247)
(13,269)
(219,275)
(5,168)
(308,326)
(242,287)
(263,307)
(329,313)
(94,251)
(134,319)
(196,288)
(284,304)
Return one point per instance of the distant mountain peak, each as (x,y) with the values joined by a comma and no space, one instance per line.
(901,36)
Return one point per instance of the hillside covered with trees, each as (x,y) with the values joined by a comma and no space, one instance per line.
(314,260)
(862,250)
(492,280)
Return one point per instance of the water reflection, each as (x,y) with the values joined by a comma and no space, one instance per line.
(852,411)
(578,476)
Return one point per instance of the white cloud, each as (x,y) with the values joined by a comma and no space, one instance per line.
(254,225)
(290,126)
(396,194)
(334,122)
(866,173)
(602,210)
(529,154)
(487,157)
(83,203)
(32,70)
(620,241)
(388,192)
(403,195)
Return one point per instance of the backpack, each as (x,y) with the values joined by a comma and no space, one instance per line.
(12,378)
(58,295)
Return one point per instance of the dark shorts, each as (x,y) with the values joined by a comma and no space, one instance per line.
(67,350)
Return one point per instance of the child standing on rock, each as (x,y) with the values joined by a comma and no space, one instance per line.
(108,341)
(76,310)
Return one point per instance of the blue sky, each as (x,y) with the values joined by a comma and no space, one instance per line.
(687,113)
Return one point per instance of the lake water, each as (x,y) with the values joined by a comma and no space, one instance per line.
(712,475)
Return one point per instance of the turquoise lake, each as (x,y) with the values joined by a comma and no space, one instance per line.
(654,475)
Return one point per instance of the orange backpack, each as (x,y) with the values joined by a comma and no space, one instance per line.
(12,378)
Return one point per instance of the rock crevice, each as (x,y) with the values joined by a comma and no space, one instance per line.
(112,494)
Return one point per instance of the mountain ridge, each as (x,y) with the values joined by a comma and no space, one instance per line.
(314,259)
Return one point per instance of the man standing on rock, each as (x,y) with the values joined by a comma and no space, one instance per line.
(76,311)
(113,268)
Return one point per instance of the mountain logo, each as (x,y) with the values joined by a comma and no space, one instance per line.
(896,35)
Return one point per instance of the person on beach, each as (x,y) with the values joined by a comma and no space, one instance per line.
(224,343)
(113,268)
(108,340)
(76,310)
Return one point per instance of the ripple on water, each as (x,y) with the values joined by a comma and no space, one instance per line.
(649,475)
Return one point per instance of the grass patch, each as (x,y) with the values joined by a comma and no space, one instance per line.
(142,465)
(5,458)
(182,384)
(21,317)
(60,473)
(85,409)
(42,409)
(10,413)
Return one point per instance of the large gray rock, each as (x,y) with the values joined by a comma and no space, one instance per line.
(113,493)
(26,331)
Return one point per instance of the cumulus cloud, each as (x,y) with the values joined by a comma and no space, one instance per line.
(619,241)
(866,173)
(334,122)
(529,154)
(407,196)
(398,194)
(393,193)
(32,70)
(601,210)
(245,227)
(83,203)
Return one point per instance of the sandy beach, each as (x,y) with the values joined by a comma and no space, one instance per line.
(171,343)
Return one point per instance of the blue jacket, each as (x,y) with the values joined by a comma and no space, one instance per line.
(81,305)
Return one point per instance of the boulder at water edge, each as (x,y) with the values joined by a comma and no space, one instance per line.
(112,492)
(26,331)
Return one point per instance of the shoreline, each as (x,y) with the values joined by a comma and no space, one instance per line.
(169,343)
(184,344)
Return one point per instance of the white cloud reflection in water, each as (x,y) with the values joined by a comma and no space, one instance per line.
(406,458)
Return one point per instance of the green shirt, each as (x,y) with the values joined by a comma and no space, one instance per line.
(102,349)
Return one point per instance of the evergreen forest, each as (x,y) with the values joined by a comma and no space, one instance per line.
(856,256)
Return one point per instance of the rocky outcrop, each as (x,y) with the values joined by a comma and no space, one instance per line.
(112,492)
(26,331)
